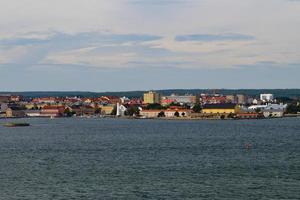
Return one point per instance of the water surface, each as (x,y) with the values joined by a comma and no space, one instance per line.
(150,159)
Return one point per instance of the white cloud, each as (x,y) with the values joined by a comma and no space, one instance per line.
(29,26)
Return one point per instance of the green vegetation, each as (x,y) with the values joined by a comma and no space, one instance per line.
(176,114)
(197,108)
(231,115)
(155,106)
(293,108)
(133,110)
(68,113)
(161,114)
(114,111)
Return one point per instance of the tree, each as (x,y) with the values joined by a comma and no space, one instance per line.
(154,106)
(183,114)
(231,115)
(98,111)
(258,110)
(176,114)
(114,111)
(293,108)
(133,110)
(68,113)
(161,114)
(197,108)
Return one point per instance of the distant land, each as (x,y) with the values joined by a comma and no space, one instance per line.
(291,93)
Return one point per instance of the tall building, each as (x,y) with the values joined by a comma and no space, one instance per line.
(151,97)
(241,99)
(267,97)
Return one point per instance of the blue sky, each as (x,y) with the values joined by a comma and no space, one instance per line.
(100,45)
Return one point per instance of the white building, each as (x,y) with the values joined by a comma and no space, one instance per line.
(267,97)
(274,110)
(183,99)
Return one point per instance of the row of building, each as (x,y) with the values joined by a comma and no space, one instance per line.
(209,106)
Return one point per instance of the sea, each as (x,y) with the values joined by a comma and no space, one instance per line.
(99,158)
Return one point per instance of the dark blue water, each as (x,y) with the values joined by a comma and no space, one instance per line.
(148,159)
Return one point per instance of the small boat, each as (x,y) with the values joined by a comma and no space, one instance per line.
(16,124)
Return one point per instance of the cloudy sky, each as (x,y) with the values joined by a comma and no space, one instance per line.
(114,45)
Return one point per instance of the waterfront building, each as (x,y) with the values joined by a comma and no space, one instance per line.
(14,112)
(270,113)
(52,111)
(181,113)
(107,109)
(32,113)
(150,113)
(274,110)
(151,98)
(224,108)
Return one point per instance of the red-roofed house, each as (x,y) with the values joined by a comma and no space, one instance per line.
(52,111)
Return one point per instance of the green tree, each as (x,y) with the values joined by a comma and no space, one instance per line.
(176,114)
(197,108)
(133,110)
(258,110)
(161,114)
(68,113)
(114,111)
(293,108)
(155,106)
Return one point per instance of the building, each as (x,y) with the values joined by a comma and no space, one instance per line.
(82,110)
(231,99)
(52,111)
(32,113)
(4,98)
(182,99)
(150,113)
(107,109)
(241,99)
(267,97)
(151,98)
(166,101)
(274,110)
(270,113)
(46,100)
(224,108)
(14,112)
(213,99)
(181,113)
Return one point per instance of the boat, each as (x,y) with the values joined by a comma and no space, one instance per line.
(16,124)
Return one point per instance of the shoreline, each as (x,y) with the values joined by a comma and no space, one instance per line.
(154,118)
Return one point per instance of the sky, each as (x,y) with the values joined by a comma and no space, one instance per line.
(124,45)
